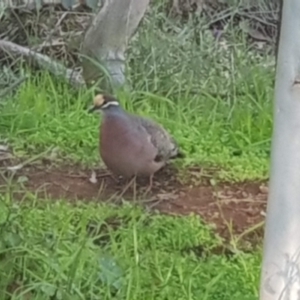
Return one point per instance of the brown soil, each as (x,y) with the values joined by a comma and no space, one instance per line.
(233,208)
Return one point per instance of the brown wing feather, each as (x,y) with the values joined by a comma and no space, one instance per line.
(165,144)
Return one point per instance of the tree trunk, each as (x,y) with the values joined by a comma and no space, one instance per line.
(106,41)
(281,264)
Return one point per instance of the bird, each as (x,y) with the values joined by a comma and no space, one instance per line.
(132,145)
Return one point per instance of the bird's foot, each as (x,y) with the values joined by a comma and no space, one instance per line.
(130,183)
(117,179)
(148,189)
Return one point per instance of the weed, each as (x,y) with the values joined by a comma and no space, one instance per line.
(47,251)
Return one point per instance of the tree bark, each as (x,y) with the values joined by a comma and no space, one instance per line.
(281,263)
(106,41)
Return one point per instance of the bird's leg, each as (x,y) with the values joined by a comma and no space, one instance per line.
(127,186)
(119,180)
(150,185)
(115,178)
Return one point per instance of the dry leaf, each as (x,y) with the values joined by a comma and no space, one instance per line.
(93,178)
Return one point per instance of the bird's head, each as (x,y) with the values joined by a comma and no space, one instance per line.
(103,102)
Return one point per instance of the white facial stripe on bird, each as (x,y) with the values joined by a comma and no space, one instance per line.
(110,103)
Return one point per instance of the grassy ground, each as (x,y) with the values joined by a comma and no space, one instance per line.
(231,133)
(215,97)
(216,100)
(105,252)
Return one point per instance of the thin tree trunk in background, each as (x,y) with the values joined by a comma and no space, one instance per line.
(106,40)
(281,263)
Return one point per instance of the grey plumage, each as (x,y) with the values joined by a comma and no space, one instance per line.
(165,144)
(130,144)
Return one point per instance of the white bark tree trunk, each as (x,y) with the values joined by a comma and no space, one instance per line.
(106,40)
(281,264)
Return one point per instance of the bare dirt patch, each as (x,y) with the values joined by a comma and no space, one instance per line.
(233,208)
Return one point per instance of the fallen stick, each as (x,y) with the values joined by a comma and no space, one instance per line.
(44,62)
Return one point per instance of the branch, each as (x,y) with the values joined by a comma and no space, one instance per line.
(106,40)
(43,62)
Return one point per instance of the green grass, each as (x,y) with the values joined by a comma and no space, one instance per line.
(46,249)
(214,97)
(105,252)
(216,100)
(234,136)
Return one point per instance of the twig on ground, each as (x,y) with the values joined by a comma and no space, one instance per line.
(5,154)
(258,19)
(43,61)
(28,161)
(221,16)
